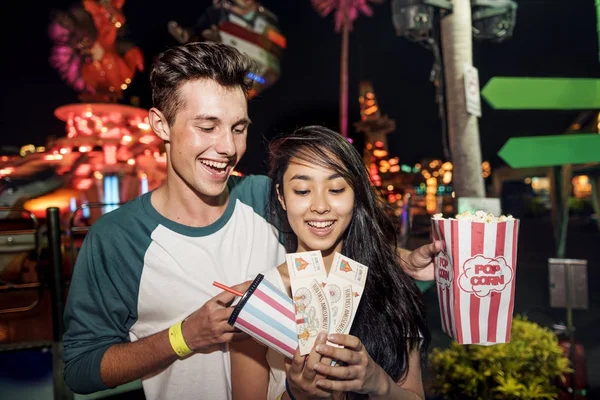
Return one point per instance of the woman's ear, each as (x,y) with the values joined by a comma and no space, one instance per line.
(280,197)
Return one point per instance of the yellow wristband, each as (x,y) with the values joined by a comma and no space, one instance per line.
(280,397)
(177,342)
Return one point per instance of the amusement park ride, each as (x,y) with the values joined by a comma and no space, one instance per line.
(109,154)
(246,25)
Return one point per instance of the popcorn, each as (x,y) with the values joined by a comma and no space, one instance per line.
(475,275)
(478,216)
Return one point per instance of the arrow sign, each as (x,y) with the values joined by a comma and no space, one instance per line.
(506,93)
(548,151)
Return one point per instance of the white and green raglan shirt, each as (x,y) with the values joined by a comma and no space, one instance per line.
(138,273)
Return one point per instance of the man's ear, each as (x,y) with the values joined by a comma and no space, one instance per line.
(280,197)
(159,124)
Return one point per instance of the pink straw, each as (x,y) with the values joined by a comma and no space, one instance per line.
(228,289)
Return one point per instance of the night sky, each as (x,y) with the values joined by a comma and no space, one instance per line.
(553,38)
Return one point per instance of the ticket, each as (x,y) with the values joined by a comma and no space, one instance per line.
(308,279)
(345,286)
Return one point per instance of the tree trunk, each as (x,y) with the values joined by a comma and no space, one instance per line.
(463,130)
(344,77)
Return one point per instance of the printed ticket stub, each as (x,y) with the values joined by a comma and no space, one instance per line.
(308,279)
(345,286)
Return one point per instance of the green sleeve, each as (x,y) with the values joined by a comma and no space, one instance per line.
(101,306)
(254,190)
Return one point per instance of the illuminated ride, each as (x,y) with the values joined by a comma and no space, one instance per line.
(107,145)
(109,155)
(91,51)
(245,25)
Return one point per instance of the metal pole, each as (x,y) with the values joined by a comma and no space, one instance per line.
(562,211)
(344,75)
(61,392)
(595,180)
(564,224)
(54,243)
(570,328)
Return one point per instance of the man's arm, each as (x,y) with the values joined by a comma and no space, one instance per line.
(419,262)
(100,310)
(127,362)
(203,331)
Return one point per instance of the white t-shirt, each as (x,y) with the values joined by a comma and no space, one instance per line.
(138,273)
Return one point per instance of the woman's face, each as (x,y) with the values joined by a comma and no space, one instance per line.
(319,204)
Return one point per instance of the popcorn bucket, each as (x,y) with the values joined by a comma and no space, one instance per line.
(475,276)
(267,314)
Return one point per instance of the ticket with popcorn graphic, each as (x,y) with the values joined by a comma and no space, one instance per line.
(308,279)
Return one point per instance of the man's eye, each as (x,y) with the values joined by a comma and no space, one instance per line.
(207,129)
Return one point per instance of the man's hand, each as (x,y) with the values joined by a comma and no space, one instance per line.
(419,263)
(206,329)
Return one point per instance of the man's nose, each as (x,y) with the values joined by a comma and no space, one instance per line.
(225,144)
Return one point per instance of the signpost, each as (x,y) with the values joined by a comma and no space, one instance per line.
(505,93)
(549,151)
(512,93)
(569,289)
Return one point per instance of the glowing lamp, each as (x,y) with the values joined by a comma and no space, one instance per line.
(60,198)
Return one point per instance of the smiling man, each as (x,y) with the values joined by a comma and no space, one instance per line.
(141,302)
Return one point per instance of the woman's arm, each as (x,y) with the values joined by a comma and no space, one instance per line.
(249,370)
(410,387)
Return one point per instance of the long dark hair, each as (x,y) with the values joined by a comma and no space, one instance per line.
(390,320)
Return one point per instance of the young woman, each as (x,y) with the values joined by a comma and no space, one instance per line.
(321,199)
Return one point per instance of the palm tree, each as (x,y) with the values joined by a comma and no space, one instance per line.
(463,129)
(346,11)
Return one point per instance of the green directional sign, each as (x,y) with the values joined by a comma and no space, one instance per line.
(505,93)
(548,151)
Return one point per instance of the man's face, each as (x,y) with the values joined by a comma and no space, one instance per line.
(208,136)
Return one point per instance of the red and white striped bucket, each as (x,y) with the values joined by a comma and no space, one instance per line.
(475,276)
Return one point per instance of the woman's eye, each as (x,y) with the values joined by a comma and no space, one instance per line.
(337,191)
(301,192)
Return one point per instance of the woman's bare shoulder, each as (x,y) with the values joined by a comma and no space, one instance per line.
(283,271)
(285,276)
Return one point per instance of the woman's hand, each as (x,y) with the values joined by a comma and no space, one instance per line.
(360,374)
(302,376)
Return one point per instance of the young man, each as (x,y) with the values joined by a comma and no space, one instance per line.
(141,302)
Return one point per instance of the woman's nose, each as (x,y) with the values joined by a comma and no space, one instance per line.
(320,205)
